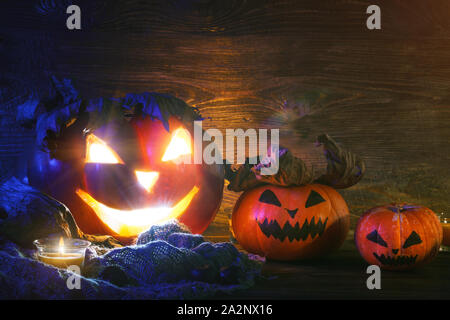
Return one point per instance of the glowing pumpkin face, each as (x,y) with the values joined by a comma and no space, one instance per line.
(127,176)
(288,223)
(398,237)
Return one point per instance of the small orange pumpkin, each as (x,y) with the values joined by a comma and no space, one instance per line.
(398,236)
(289,223)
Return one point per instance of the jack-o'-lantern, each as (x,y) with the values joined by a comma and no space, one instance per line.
(124,173)
(289,223)
(398,236)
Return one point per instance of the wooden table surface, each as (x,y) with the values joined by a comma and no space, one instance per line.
(305,67)
(342,275)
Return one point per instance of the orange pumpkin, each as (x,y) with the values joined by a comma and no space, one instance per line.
(289,223)
(125,177)
(398,236)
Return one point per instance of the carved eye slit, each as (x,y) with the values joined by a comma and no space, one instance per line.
(412,240)
(375,237)
(98,151)
(270,198)
(313,199)
(180,144)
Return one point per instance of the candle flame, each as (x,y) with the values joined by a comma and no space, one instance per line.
(61,245)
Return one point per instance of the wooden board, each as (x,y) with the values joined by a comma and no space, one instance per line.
(305,67)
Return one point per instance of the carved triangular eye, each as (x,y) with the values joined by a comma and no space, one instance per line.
(413,239)
(98,151)
(375,237)
(313,199)
(270,198)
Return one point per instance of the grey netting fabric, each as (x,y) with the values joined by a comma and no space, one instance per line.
(162,232)
(169,253)
(167,262)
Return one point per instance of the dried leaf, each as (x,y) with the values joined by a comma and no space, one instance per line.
(63,110)
(344,168)
(292,171)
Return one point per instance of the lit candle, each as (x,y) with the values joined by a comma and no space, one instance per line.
(64,254)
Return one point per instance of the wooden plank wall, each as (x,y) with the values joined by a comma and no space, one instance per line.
(306,67)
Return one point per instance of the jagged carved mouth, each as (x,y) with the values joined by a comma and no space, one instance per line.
(395,261)
(313,229)
(129,223)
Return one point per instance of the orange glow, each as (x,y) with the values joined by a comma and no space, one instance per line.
(98,151)
(179,145)
(128,223)
(61,245)
(147,179)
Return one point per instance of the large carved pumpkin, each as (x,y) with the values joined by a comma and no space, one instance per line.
(125,175)
(398,236)
(288,223)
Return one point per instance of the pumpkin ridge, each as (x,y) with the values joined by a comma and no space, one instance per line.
(411,235)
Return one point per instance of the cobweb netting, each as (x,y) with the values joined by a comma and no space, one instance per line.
(168,262)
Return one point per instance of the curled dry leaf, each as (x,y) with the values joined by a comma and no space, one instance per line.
(292,171)
(60,117)
(344,169)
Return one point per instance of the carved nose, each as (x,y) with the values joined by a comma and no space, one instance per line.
(147,179)
(395,251)
(292,212)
